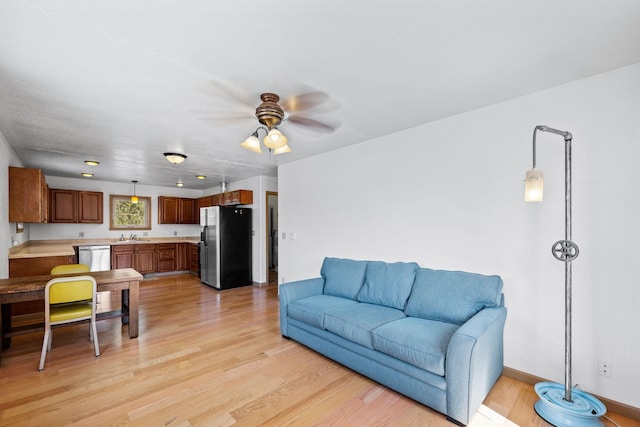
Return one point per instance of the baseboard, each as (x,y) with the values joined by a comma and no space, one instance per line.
(613,406)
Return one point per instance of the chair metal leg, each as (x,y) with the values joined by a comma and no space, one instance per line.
(46,343)
(94,330)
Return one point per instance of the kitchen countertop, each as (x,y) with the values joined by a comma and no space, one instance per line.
(47,248)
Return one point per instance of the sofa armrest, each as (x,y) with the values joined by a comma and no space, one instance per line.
(474,362)
(292,291)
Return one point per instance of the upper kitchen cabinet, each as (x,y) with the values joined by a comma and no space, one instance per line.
(231,198)
(28,195)
(72,206)
(177,210)
(238,197)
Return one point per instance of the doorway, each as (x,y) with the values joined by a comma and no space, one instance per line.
(272,237)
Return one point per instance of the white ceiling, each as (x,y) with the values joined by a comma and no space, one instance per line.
(122,81)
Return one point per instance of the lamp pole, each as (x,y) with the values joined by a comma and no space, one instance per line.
(564,250)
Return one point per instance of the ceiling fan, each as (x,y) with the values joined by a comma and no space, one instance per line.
(272,112)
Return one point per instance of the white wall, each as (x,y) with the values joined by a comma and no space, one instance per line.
(8,230)
(449,195)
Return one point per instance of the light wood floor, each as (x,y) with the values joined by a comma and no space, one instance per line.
(209,358)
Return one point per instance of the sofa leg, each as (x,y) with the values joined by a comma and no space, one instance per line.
(456,422)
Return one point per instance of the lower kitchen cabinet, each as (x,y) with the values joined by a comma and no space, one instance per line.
(156,258)
(22,267)
(194,258)
(141,257)
(166,257)
(122,256)
(182,255)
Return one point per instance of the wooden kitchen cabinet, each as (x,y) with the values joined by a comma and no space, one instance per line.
(122,256)
(28,195)
(144,258)
(238,197)
(90,207)
(205,202)
(23,267)
(183,255)
(63,206)
(72,206)
(187,211)
(177,210)
(166,257)
(194,258)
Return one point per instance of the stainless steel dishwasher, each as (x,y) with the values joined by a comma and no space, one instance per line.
(97,257)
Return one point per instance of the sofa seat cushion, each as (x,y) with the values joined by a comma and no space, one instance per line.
(388,283)
(355,322)
(420,342)
(343,277)
(452,296)
(311,310)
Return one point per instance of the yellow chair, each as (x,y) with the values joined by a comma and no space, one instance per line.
(69,300)
(70,269)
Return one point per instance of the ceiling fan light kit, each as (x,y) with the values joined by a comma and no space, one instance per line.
(175,158)
(270,114)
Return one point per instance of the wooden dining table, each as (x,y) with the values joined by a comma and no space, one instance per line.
(31,288)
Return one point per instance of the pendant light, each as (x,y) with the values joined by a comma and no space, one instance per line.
(134,198)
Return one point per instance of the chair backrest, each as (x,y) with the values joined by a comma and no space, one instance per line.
(70,289)
(70,269)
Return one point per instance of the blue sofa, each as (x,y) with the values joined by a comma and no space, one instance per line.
(434,336)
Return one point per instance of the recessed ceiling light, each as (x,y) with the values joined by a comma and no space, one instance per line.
(92,162)
(200,176)
(87,174)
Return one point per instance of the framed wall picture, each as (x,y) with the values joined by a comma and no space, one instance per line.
(126,215)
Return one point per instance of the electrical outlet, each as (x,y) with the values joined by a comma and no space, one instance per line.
(605,368)
(81,234)
(175,233)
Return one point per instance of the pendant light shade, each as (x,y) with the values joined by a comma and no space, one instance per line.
(534,185)
(284,149)
(252,143)
(134,198)
(275,139)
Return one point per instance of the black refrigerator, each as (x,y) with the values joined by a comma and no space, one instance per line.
(225,247)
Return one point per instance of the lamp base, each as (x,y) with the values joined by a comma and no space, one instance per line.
(584,411)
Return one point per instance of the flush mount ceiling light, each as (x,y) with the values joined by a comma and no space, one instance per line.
(92,162)
(134,198)
(175,158)
(179,184)
(87,174)
(200,176)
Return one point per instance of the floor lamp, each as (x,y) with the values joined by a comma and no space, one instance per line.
(560,406)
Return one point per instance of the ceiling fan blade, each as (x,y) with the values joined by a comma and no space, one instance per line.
(304,101)
(217,87)
(317,125)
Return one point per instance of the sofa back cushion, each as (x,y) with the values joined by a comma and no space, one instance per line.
(452,296)
(388,284)
(343,277)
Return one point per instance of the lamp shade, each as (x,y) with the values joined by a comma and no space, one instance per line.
(134,199)
(284,149)
(275,139)
(252,143)
(533,188)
